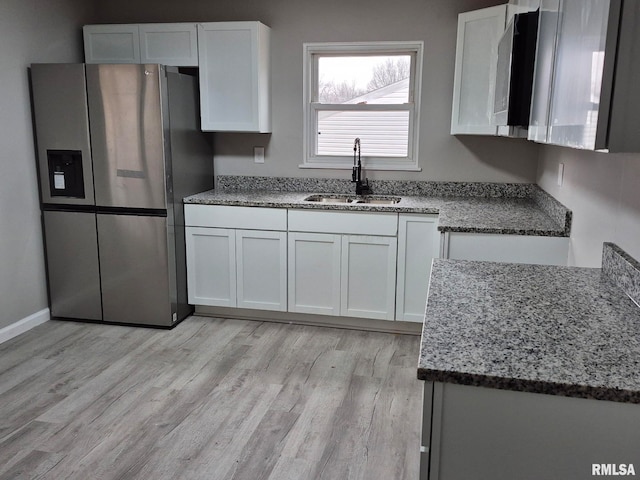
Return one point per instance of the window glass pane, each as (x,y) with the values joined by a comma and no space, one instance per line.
(382,134)
(364,79)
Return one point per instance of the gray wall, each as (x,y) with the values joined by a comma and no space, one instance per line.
(30,31)
(603,191)
(442,157)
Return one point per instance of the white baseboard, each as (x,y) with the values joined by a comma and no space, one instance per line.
(21,326)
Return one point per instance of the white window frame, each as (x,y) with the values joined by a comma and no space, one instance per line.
(311,105)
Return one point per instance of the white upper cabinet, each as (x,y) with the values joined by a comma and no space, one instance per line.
(233,59)
(234,62)
(591,94)
(577,81)
(111,44)
(174,44)
(475,72)
(543,74)
(169,44)
(521,6)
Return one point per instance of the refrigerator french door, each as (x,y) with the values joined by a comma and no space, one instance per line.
(113,246)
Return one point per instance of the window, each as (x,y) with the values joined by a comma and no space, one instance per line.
(369,91)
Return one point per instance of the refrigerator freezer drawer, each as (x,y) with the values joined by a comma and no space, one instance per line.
(138,284)
(72,264)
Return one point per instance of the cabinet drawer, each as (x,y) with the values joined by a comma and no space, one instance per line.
(357,223)
(248,218)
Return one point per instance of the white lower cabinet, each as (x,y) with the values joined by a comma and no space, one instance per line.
(506,248)
(368,277)
(261,269)
(347,275)
(314,273)
(474,432)
(342,263)
(231,265)
(211,266)
(418,245)
(237,268)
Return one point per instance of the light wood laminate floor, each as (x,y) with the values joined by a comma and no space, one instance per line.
(211,399)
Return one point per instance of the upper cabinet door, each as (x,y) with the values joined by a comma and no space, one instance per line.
(111,44)
(475,73)
(578,76)
(587,73)
(543,74)
(234,76)
(174,44)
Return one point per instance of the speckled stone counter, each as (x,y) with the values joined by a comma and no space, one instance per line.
(544,329)
(489,214)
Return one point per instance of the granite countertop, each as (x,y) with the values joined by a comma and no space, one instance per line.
(545,329)
(501,215)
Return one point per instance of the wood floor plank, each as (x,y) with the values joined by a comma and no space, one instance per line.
(35,464)
(332,372)
(391,427)
(211,399)
(222,455)
(344,454)
(20,443)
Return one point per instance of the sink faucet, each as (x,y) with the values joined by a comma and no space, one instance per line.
(356,174)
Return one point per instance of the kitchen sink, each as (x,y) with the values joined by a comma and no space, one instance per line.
(379,200)
(330,199)
(352,199)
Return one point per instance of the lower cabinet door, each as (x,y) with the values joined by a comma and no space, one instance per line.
(261,261)
(211,266)
(418,245)
(314,273)
(368,276)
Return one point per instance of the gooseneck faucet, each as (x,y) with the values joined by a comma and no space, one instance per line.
(356,173)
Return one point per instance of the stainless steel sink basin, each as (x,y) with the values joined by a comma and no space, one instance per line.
(330,199)
(352,199)
(379,200)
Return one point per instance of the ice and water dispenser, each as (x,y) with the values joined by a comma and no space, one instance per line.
(65,173)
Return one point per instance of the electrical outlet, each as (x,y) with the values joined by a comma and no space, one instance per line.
(258,154)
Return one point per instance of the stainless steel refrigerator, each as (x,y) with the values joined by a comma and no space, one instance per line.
(118,148)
